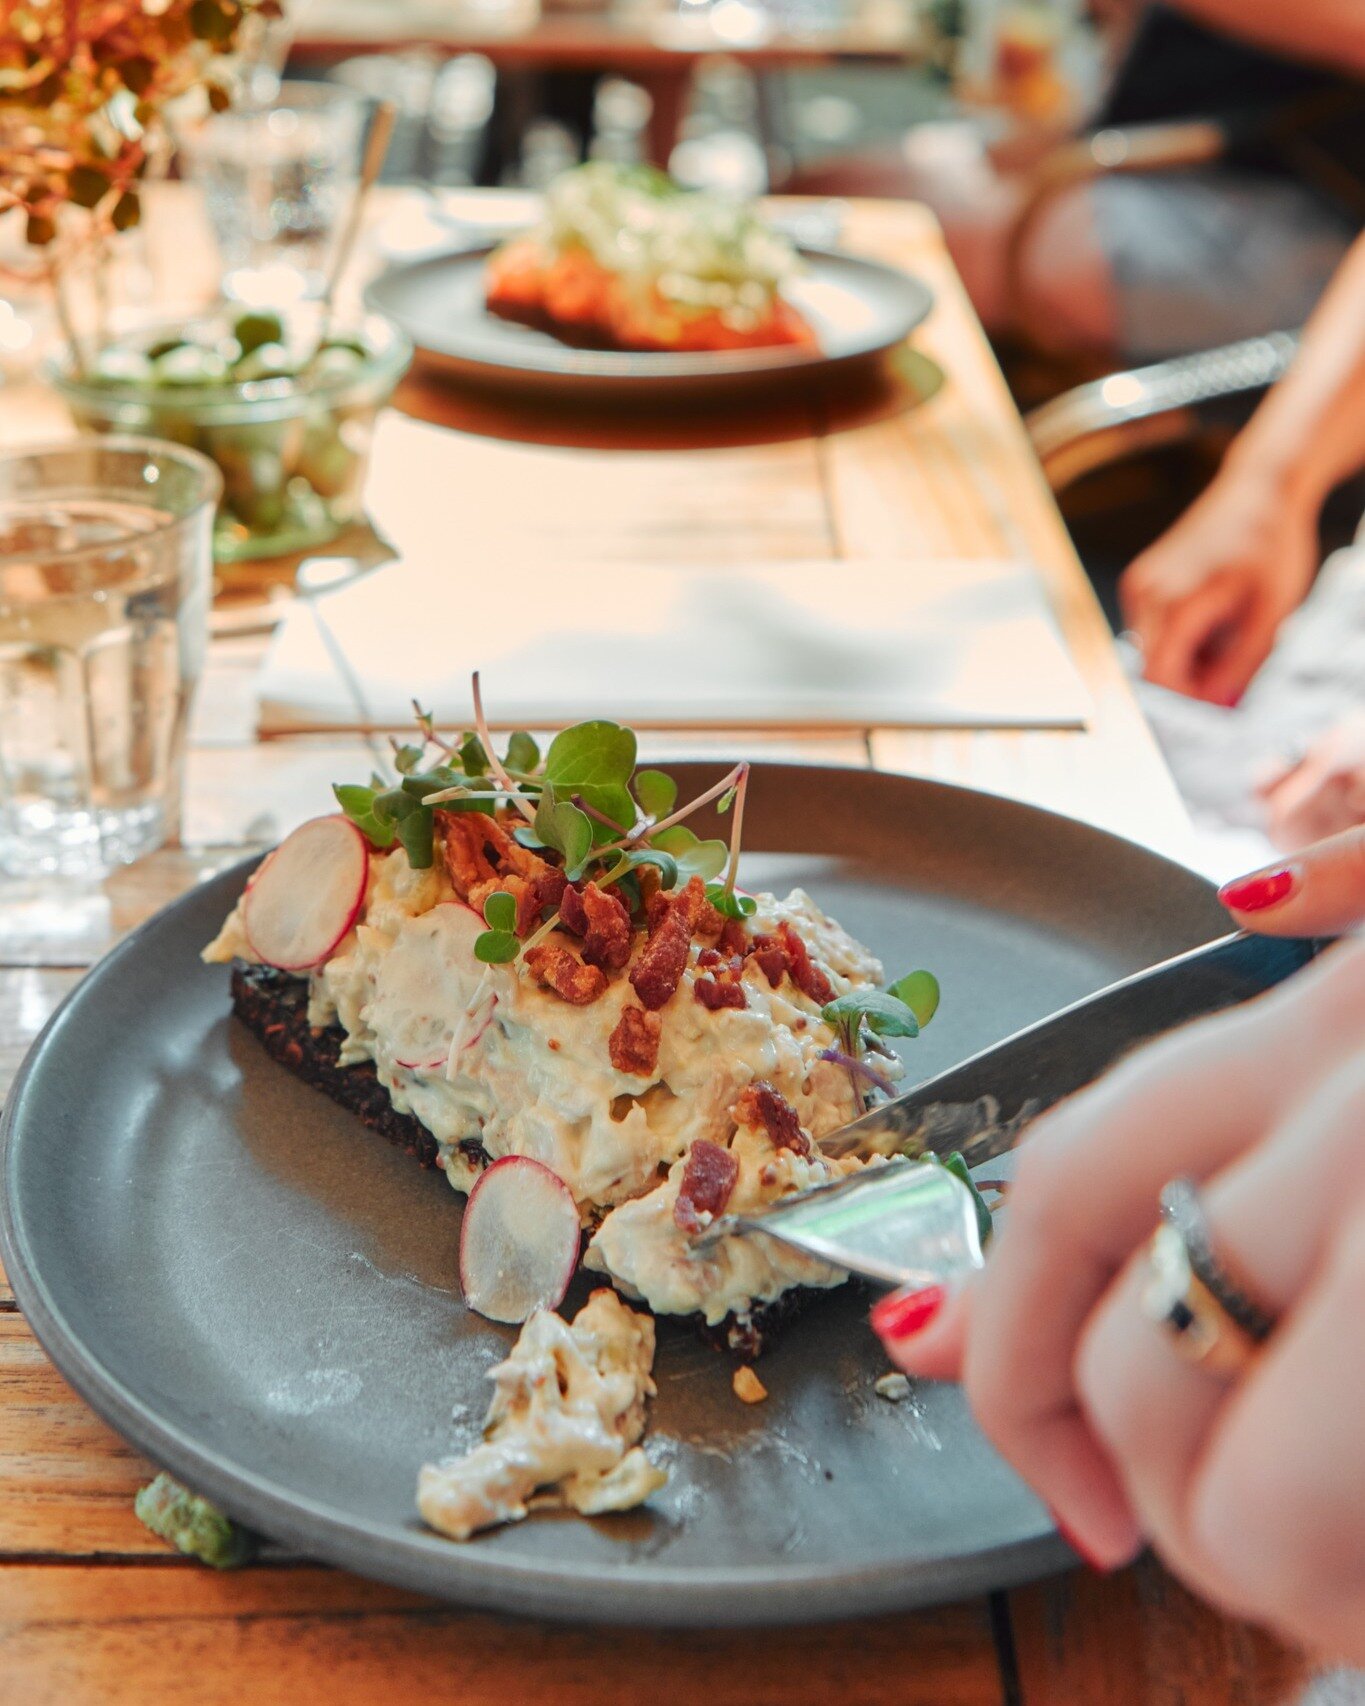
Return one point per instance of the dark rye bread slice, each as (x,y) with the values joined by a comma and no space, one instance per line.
(274,1008)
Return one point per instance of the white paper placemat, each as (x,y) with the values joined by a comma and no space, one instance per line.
(913,642)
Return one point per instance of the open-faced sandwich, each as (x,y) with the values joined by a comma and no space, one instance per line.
(624,258)
(531,972)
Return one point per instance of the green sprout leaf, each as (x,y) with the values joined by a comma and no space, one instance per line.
(127,211)
(436,781)
(877,1009)
(406,759)
(472,755)
(729,904)
(656,792)
(595,762)
(523,754)
(664,863)
(561,825)
(496,947)
(920,992)
(696,858)
(416,832)
(87,185)
(500,912)
(956,1163)
(358,803)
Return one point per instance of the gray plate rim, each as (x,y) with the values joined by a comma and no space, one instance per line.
(625,368)
(721,1597)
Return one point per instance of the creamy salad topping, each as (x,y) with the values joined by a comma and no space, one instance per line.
(483,1053)
(568,1410)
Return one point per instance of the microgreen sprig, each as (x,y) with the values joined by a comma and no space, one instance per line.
(499,942)
(582,800)
(495,764)
(901,1010)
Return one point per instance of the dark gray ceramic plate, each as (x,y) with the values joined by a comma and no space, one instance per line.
(859,308)
(261,1295)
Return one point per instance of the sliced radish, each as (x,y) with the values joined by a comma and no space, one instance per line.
(476,1024)
(307,894)
(519,1240)
(424,986)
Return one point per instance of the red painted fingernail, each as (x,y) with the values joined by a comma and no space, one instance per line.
(904,1313)
(1078,1546)
(1256,893)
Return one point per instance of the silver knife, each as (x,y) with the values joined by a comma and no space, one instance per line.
(908,1224)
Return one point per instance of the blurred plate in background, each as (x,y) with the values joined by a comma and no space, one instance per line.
(859,309)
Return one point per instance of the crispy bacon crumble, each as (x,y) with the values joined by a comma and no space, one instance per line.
(805,974)
(761,1105)
(658,971)
(709,1177)
(481,858)
(563,972)
(602,919)
(634,1044)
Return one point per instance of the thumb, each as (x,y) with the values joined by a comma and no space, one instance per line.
(924,1332)
(1320,892)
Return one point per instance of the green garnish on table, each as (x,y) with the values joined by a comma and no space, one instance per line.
(193,1525)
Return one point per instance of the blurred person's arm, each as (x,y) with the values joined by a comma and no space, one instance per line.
(1330,32)
(1207,599)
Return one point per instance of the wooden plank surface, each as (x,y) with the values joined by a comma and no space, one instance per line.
(1141,1639)
(92,1611)
(75,1635)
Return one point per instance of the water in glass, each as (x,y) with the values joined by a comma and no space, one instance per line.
(99,655)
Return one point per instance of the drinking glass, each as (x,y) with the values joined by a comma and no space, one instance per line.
(275,181)
(105,581)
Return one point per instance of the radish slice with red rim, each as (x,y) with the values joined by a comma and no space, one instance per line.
(519,1240)
(307,894)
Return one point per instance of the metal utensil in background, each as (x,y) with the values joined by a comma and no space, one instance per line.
(372,163)
(909,1224)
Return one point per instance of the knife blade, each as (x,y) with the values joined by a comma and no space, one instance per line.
(982,1106)
(907,1224)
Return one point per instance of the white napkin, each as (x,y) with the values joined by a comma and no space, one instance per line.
(1314,676)
(573,628)
(910,643)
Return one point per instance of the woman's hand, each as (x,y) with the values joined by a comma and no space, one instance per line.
(1207,599)
(1319,892)
(1253,1490)
(1323,792)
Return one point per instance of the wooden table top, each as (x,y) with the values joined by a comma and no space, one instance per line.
(93,1610)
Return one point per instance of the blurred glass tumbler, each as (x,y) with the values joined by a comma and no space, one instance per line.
(105,582)
(276,179)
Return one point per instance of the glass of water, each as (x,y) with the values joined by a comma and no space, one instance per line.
(275,181)
(105,581)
